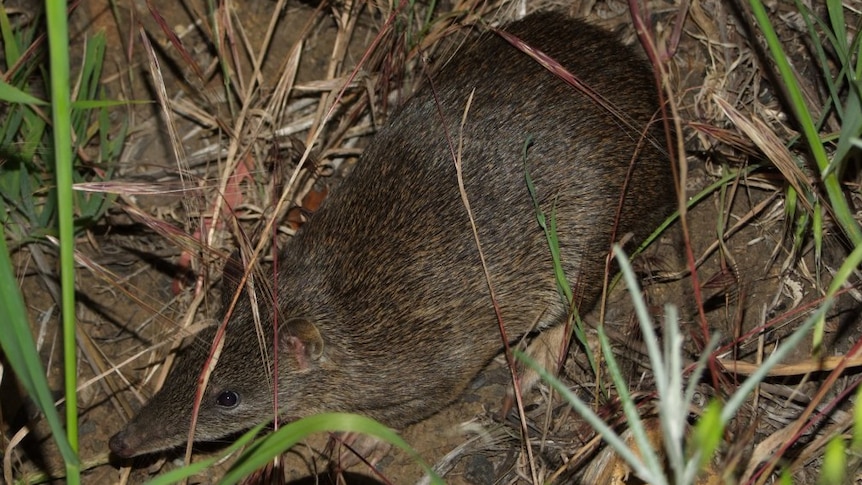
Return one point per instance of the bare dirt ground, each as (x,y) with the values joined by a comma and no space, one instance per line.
(132,321)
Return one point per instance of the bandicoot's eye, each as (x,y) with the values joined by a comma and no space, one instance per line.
(228,399)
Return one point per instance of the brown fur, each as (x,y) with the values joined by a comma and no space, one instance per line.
(384,287)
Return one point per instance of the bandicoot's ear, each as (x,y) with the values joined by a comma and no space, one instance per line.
(300,338)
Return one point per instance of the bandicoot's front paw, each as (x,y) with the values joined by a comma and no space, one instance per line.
(547,350)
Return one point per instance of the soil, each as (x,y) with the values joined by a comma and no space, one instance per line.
(130,320)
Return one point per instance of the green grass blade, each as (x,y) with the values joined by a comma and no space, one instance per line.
(851,126)
(11,94)
(839,27)
(856,443)
(708,434)
(34,134)
(11,49)
(91,71)
(20,350)
(264,450)
(857,44)
(187,471)
(845,271)
(834,471)
(839,204)
(554,246)
(61,112)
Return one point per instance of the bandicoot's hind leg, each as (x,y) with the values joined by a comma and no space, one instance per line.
(547,350)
